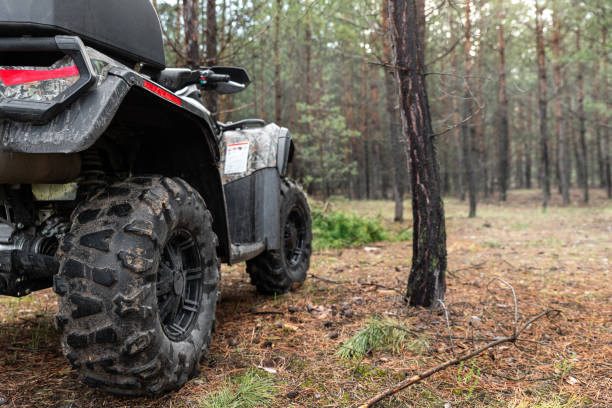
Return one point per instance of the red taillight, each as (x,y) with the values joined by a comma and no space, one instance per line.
(161,92)
(12,77)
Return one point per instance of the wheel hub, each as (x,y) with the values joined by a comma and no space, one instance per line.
(179,285)
(295,236)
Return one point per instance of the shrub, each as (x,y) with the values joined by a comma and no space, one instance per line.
(381,334)
(253,389)
(340,230)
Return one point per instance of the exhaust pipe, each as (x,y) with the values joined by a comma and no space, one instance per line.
(26,168)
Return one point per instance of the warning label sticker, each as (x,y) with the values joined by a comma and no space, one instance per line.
(237,158)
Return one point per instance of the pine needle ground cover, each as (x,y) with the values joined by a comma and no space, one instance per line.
(286,351)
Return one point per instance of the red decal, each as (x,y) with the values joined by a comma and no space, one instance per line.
(164,94)
(12,77)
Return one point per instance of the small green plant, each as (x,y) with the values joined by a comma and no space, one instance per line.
(491,244)
(253,389)
(564,367)
(558,401)
(381,334)
(337,230)
(468,378)
(404,235)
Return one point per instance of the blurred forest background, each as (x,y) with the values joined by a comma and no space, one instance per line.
(519,89)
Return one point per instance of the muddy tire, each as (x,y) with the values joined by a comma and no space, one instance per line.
(277,271)
(137,286)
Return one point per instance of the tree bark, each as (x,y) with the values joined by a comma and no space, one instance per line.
(528,138)
(466,128)
(394,135)
(607,173)
(364,128)
(211,51)
(542,104)
(459,174)
(278,91)
(504,143)
(479,118)
(562,162)
(583,154)
(190,17)
(262,79)
(427,281)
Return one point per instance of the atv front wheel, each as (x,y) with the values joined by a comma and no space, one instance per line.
(138,286)
(277,271)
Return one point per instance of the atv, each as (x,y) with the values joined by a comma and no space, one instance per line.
(120,190)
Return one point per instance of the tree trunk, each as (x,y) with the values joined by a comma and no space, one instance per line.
(460,179)
(427,281)
(607,173)
(519,136)
(480,137)
(364,128)
(397,149)
(466,128)
(262,79)
(542,104)
(528,138)
(211,50)
(278,91)
(582,151)
(504,143)
(562,162)
(190,17)
(308,46)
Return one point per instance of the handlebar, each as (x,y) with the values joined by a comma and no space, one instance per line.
(209,77)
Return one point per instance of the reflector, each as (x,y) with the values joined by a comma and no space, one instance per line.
(12,77)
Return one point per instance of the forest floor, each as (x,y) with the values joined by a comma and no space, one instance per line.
(558,259)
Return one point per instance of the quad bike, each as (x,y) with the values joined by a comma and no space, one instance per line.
(120,190)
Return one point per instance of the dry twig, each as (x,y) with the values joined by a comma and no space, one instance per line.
(417,378)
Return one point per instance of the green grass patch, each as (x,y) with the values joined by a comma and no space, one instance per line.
(381,334)
(338,229)
(491,243)
(253,389)
(402,236)
(558,401)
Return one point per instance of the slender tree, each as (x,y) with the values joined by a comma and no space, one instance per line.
(582,151)
(466,128)
(278,86)
(211,50)
(562,162)
(607,164)
(542,103)
(504,142)
(427,281)
(192,22)
(460,179)
(397,150)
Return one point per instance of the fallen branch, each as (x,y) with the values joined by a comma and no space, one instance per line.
(335,282)
(265,312)
(417,378)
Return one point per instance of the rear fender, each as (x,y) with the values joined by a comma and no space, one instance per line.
(143,129)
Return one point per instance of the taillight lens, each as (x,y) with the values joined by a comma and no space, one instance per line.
(38,84)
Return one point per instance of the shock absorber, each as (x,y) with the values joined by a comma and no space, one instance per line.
(92,173)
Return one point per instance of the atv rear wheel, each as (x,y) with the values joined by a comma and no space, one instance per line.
(277,271)
(138,286)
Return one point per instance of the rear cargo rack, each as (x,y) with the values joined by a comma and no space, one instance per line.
(40,111)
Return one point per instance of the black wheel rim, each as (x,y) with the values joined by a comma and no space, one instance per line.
(295,236)
(179,285)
